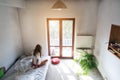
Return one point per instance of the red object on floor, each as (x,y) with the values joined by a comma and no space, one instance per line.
(55,60)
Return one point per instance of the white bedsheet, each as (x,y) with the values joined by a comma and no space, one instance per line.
(22,70)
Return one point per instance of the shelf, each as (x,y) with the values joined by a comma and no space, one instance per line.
(84,48)
(114,51)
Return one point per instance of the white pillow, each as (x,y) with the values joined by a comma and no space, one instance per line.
(23,64)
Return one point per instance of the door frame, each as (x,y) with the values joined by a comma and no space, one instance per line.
(60,35)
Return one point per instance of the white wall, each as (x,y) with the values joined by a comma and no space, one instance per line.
(33,19)
(10,36)
(109,13)
(13,3)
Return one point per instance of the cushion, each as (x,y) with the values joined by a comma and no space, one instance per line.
(55,60)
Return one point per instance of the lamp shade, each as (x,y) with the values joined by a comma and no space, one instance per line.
(59,5)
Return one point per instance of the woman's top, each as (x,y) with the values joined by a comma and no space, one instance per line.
(36,59)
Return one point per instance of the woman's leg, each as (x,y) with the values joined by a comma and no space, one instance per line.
(43,63)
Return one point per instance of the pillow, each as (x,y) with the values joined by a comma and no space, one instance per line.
(23,64)
(26,59)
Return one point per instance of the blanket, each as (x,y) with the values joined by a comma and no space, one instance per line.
(22,70)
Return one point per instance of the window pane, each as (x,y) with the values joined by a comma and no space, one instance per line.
(67,32)
(54,51)
(67,51)
(54,32)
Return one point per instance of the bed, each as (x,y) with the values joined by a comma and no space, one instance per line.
(22,70)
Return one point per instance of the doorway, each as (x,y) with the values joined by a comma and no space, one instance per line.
(61,37)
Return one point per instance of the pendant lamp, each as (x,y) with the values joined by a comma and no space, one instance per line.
(59,5)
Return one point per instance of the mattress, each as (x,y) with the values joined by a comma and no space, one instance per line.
(22,70)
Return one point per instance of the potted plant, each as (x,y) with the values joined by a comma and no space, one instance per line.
(87,62)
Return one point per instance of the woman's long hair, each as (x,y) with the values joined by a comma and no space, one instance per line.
(37,49)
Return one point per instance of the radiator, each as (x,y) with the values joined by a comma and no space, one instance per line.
(84,42)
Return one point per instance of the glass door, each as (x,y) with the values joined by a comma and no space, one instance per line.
(61,37)
(54,39)
(67,38)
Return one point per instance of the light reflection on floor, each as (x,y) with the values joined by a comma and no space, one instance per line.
(70,77)
(60,73)
(64,68)
(71,71)
(86,78)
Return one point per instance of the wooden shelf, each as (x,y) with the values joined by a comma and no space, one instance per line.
(114,51)
(114,40)
(84,48)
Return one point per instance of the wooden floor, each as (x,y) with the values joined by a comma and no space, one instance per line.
(68,70)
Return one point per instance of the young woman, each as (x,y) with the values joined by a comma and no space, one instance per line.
(36,61)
